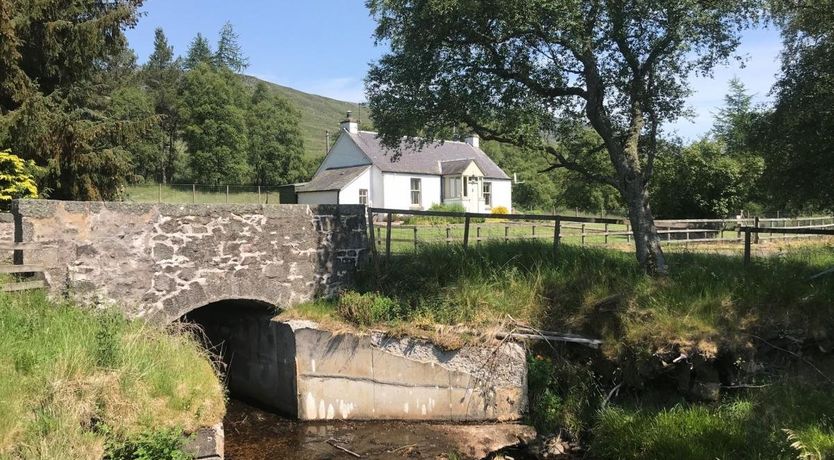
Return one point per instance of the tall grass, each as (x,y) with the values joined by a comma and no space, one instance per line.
(73,381)
(786,421)
(707,300)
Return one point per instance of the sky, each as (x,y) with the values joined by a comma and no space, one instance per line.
(324,47)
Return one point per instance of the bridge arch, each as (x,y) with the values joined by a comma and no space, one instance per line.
(257,353)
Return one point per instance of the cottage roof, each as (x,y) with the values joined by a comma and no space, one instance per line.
(333,179)
(428,160)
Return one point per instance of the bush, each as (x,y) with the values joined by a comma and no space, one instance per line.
(165,444)
(434,220)
(365,309)
(499,210)
(16,179)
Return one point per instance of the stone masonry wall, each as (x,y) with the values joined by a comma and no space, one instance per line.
(160,261)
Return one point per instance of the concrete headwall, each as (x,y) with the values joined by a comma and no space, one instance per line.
(161,261)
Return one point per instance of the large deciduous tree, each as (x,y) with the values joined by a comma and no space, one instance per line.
(214,126)
(516,71)
(797,136)
(276,148)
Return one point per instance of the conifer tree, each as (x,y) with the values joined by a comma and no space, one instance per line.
(198,52)
(229,53)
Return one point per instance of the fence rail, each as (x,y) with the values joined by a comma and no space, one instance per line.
(389,235)
(750,232)
(34,273)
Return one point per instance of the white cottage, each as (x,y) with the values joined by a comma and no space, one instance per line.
(359,170)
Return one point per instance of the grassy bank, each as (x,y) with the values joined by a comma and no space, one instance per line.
(707,301)
(76,384)
(787,420)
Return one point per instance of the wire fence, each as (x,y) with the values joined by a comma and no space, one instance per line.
(204,194)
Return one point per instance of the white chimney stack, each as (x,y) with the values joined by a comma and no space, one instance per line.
(350,124)
(473,140)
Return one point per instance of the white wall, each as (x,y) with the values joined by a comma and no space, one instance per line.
(350,193)
(377,190)
(329,197)
(502,193)
(344,153)
(398,190)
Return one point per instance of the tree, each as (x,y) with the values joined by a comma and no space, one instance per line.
(214,126)
(229,53)
(733,122)
(199,52)
(162,74)
(797,136)
(276,149)
(703,181)
(516,71)
(60,62)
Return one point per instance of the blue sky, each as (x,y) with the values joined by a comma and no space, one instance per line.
(324,47)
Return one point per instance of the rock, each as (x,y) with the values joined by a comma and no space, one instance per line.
(478,441)
(206,443)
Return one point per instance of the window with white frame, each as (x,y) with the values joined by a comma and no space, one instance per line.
(452,187)
(415,192)
(488,193)
(363,196)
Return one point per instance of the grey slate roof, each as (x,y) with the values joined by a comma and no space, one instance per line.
(425,161)
(454,166)
(333,179)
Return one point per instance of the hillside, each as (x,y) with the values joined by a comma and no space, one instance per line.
(318,113)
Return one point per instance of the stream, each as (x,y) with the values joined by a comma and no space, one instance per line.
(253,434)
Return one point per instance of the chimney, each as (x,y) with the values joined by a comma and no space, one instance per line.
(473,140)
(350,124)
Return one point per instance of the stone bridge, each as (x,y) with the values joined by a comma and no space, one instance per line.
(161,261)
(227,268)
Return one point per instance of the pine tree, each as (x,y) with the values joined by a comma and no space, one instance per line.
(162,75)
(733,122)
(59,64)
(229,53)
(198,52)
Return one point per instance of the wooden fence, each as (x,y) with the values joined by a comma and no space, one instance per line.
(33,273)
(751,235)
(475,227)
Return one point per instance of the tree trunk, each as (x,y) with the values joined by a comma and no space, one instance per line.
(646,240)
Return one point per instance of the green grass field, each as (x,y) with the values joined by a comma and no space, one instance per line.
(79,384)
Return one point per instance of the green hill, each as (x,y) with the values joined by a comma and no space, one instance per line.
(318,113)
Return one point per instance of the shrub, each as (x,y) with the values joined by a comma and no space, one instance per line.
(164,444)
(500,210)
(16,178)
(365,309)
(430,220)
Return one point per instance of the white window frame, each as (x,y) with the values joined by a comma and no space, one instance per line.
(363,196)
(416,192)
(453,187)
(487,192)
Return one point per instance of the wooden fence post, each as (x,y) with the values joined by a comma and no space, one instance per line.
(557,228)
(448,235)
(466,232)
(159,194)
(388,236)
(506,233)
(606,234)
(227,194)
(478,235)
(415,237)
(371,228)
(534,231)
(746,247)
(582,229)
(756,225)
(193,193)
(259,194)
(628,233)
